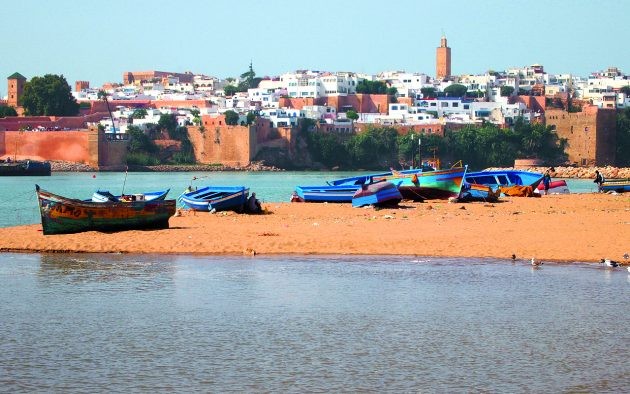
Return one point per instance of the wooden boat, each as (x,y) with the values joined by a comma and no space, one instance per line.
(504,178)
(617,185)
(377,194)
(475,192)
(25,168)
(61,215)
(415,184)
(105,196)
(218,198)
(338,193)
(555,187)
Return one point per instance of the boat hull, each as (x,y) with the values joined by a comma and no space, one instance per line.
(555,187)
(616,185)
(25,168)
(335,194)
(431,185)
(377,194)
(504,178)
(217,198)
(61,215)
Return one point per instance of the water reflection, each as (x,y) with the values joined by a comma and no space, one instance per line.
(145,272)
(300,324)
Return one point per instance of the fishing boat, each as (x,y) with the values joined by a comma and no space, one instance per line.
(504,178)
(377,194)
(25,168)
(555,187)
(475,192)
(414,184)
(217,198)
(337,193)
(62,215)
(105,196)
(616,185)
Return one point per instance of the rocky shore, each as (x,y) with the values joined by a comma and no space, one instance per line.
(577,172)
(60,166)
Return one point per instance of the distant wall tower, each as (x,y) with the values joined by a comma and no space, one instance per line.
(81,85)
(15,88)
(443,60)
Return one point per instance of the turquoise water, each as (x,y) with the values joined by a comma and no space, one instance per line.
(143,323)
(18,204)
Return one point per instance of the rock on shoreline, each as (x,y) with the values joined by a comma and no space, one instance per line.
(60,166)
(576,172)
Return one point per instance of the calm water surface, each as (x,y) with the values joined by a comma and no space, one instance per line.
(18,204)
(95,323)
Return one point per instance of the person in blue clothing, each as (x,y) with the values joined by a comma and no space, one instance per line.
(546,181)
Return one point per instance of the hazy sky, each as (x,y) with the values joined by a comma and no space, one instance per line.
(98,40)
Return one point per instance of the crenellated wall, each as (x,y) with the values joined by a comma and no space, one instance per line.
(591,134)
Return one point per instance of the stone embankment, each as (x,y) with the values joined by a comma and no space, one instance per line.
(58,166)
(578,172)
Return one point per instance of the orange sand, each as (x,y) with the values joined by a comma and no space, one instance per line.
(577,227)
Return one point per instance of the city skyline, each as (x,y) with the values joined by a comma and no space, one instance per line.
(97,42)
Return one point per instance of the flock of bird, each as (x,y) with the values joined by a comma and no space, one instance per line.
(606,262)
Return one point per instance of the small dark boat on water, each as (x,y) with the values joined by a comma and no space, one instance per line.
(24,168)
(62,215)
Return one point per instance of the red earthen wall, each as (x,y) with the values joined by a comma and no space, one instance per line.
(69,146)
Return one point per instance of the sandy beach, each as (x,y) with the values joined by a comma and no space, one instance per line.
(576,227)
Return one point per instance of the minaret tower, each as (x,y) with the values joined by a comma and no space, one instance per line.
(15,87)
(443,60)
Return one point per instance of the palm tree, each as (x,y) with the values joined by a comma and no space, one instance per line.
(103,96)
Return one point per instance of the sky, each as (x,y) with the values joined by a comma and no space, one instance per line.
(98,40)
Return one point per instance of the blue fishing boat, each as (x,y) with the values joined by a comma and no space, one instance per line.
(377,194)
(218,198)
(504,178)
(338,193)
(475,192)
(616,185)
(106,196)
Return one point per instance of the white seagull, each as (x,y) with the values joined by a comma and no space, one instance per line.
(609,263)
(536,263)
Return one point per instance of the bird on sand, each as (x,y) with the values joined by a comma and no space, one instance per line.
(536,263)
(609,263)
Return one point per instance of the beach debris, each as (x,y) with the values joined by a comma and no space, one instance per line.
(429,207)
(315,224)
(626,256)
(488,205)
(268,235)
(178,213)
(513,257)
(535,262)
(249,252)
(453,200)
(609,263)
(388,217)
(462,207)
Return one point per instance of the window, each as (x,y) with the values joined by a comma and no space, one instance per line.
(455,104)
(466,106)
(444,104)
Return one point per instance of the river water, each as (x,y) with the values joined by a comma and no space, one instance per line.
(129,323)
(18,204)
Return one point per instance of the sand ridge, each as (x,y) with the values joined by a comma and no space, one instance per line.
(575,227)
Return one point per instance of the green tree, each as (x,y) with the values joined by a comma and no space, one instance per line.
(139,113)
(230,90)
(168,123)
(49,95)
(625,90)
(7,111)
(455,90)
(102,95)
(251,117)
(139,141)
(327,148)
(428,92)
(352,114)
(231,117)
(506,91)
(375,148)
(371,87)
(249,80)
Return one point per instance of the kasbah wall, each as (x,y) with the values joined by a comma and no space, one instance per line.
(229,145)
(373,103)
(89,147)
(591,134)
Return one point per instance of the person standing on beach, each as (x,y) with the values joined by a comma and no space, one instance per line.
(599,180)
(546,181)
